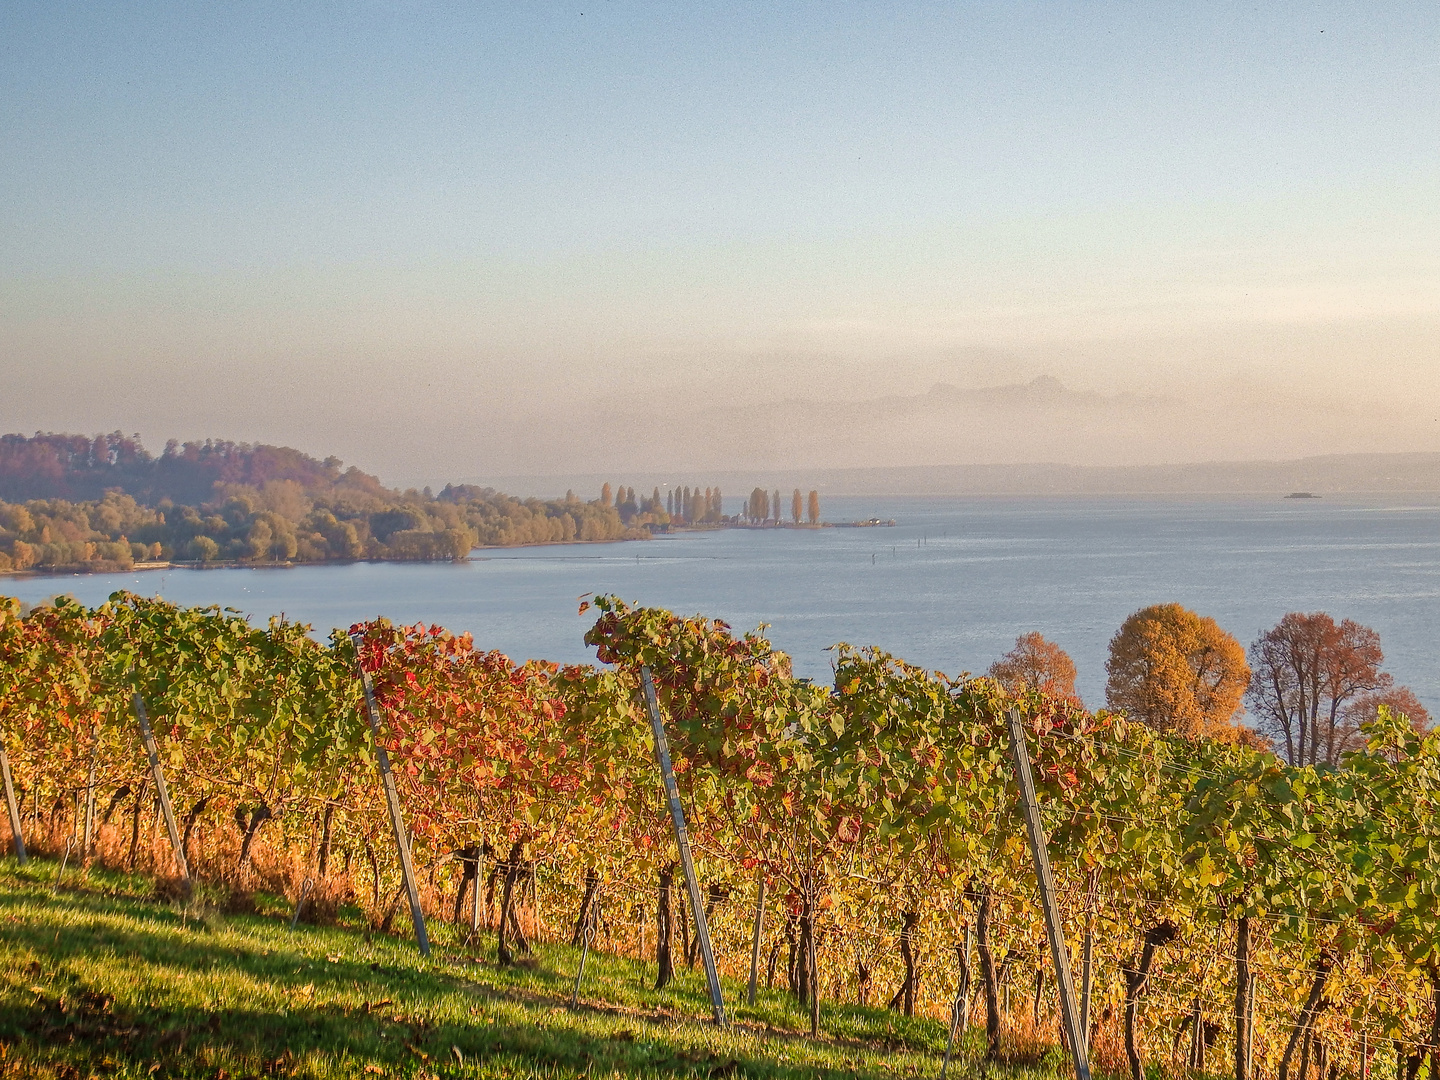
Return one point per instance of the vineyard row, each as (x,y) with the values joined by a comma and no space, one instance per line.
(860,842)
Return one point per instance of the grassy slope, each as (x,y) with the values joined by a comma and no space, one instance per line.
(99,979)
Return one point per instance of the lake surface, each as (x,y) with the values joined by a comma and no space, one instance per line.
(949,587)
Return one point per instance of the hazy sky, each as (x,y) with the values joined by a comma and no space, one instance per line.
(462,240)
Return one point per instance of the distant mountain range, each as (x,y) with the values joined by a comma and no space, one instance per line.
(1335,474)
(1035,419)
(950,438)
(1042,392)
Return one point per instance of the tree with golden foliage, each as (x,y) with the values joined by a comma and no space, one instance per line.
(797,509)
(758,509)
(814,508)
(1037,663)
(1177,671)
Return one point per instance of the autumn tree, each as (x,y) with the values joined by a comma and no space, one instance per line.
(759,507)
(1035,663)
(606,496)
(1400,700)
(797,508)
(775,506)
(1309,671)
(263,504)
(1177,671)
(625,503)
(814,507)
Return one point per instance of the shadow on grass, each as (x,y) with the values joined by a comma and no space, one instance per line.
(71,1015)
(87,1034)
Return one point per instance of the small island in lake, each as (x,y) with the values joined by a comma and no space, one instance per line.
(1302,495)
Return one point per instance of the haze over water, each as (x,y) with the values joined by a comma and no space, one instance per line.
(949,587)
(538,239)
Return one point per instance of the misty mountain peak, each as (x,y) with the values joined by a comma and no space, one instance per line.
(1041,390)
(1046,386)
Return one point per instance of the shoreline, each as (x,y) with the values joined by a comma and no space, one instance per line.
(80,569)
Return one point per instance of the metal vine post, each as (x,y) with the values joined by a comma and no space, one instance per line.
(758,931)
(12,806)
(392,802)
(162,791)
(1054,929)
(682,841)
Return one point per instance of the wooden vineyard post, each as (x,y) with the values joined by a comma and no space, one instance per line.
(961,1004)
(968,978)
(1244,995)
(1087,957)
(162,792)
(475,891)
(591,928)
(89,838)
(300,901)
(682,841)
(537,927)
(1197,1040)
(60,873)
(1250,1030)
(1054,929)
(392,803)
(11,805)
(810,905)
(755,937)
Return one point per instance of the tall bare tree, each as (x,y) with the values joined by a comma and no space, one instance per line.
(1309,671)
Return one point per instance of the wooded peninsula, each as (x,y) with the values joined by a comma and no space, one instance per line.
(103,503)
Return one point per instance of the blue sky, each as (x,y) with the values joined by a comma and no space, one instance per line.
(315,219)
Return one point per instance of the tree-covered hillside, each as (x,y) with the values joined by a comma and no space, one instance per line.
(106,503)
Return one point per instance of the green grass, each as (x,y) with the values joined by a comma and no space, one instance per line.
(100,979)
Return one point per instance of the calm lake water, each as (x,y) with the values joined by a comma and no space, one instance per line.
(949,587)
